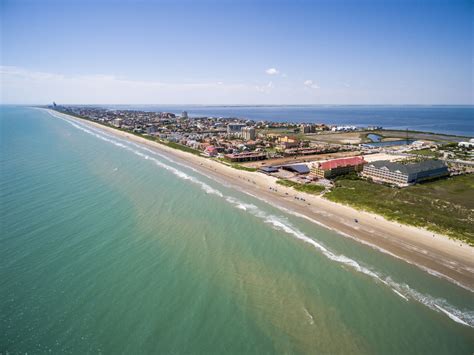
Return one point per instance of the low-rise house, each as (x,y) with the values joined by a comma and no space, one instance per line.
(404,174)
(286,142)
(210,151)
(469,144)
(242,157)
(193,144)
(151,129)
(117,122)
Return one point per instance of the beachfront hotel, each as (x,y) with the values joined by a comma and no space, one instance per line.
(336,167)
(405,174)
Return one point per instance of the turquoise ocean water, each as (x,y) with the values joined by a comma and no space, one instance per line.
(109,247)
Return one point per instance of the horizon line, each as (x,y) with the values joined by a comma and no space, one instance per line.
(225,105)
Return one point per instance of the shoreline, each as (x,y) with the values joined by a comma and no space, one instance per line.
(431,252)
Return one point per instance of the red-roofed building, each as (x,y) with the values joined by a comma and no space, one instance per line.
(335,167)
(210,151)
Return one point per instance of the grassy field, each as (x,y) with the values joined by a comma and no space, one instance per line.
(235,165)
(282,131)
(425,152)
(310,189)
(445,206)
(241,167)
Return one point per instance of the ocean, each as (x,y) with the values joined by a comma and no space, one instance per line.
(109,247)
(456,120)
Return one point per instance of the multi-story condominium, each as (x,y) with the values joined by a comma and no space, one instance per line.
(335,167)
(405,174)
(305,128)
(235,128)
(248,133)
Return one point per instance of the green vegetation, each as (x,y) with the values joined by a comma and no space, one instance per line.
(349,176)
(425,152)
(286,182)
(178,146)
(403,133)
(308,188)
(450,146)
(282,131)
(241,167)
(445,206)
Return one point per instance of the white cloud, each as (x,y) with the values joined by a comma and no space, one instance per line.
(272,71)
(19,85)
(310,84)
(265,88)
(25,86)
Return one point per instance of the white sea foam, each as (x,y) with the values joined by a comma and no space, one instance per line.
(207,188)
(310,317)
(464,317)
(373,246)
(280,223)
(450,315)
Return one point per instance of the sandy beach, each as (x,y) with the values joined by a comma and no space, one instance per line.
(434,253)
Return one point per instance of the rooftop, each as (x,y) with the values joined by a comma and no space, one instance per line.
(269,169)
(245,154)
(412,168)
(338,163)
(297,168)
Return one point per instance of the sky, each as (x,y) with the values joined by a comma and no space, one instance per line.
(237,52)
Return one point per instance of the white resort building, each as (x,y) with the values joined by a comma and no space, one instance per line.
(405,174)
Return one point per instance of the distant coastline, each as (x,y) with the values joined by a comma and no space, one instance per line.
(331,114)
(440,119)
(438,255)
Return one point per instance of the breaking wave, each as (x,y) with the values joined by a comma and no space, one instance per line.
(373,246)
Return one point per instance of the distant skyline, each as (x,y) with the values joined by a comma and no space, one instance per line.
(240,52)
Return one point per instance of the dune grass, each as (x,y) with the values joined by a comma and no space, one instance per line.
(308,188)
(445,206)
